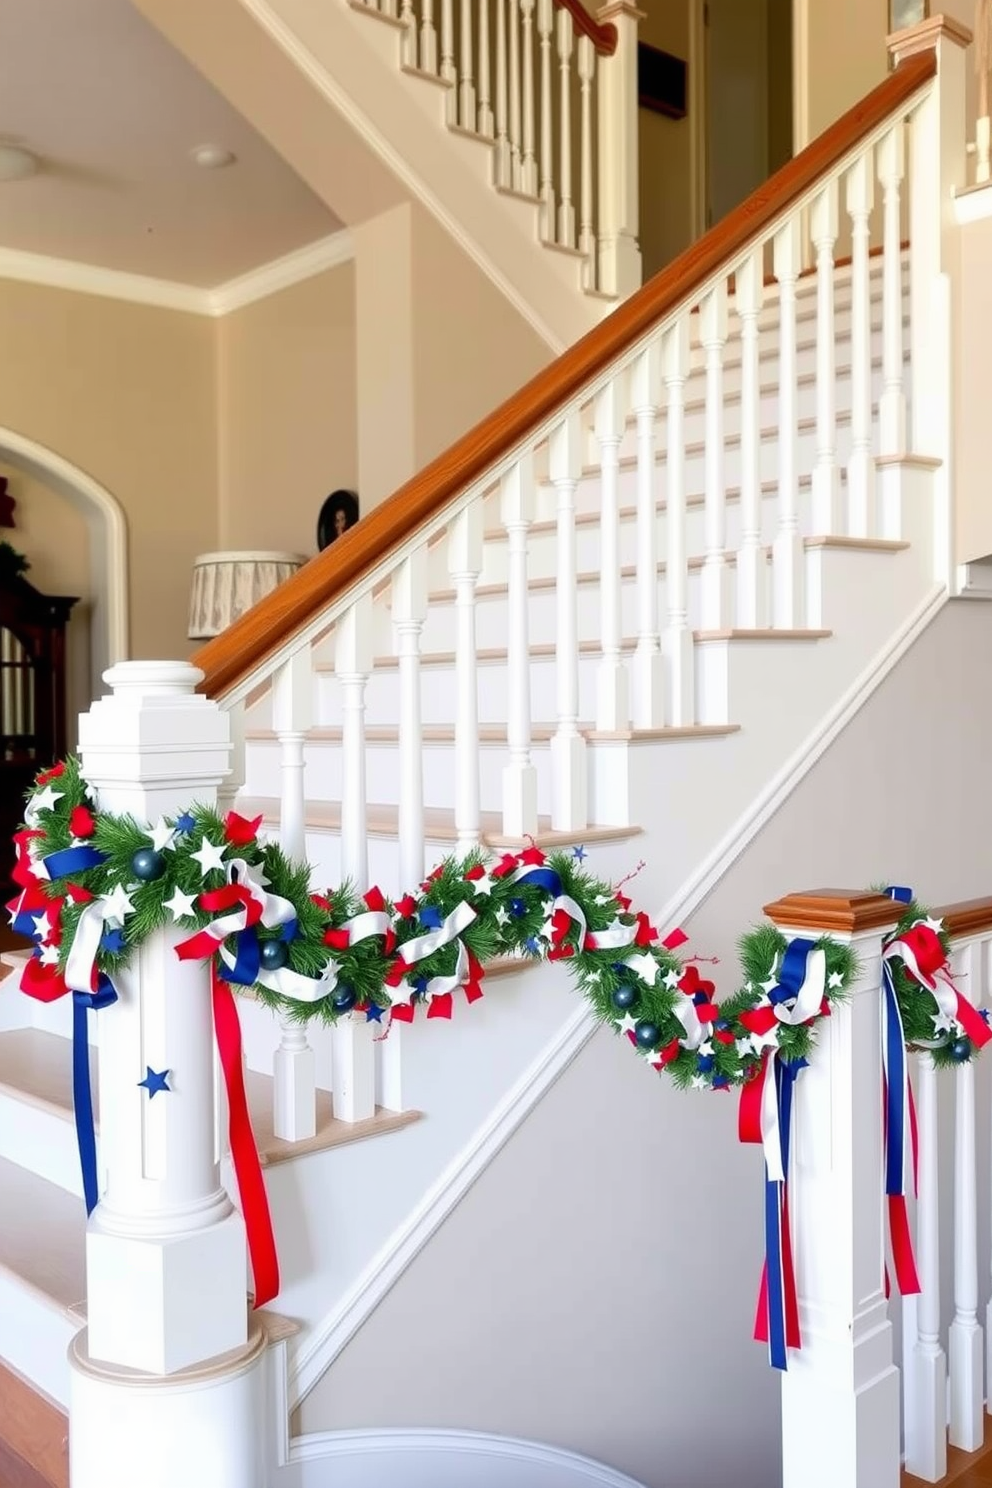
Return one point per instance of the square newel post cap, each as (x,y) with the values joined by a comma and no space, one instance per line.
(927,36)
(614,8)
(835,911)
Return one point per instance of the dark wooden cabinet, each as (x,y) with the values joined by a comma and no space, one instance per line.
(32,700)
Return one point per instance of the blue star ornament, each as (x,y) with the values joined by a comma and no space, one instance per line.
(373,1013)
(185,823)
(579,854)
(154,1081)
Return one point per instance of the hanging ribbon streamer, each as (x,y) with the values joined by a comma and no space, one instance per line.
(766,1119)
(82,1095)
(244,1153)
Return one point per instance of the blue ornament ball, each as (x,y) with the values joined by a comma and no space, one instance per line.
(625,997)
(273,954)
(647,1034)
(960,1050)
(147,864)
(345,1000)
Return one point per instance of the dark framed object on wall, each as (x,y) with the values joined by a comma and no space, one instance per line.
(338,513)
(661,82)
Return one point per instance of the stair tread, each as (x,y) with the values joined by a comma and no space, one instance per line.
(766,634)
(43,1235)
(330,1132)
(36,1067)
(497,734)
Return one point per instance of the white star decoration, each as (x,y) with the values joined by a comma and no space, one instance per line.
(671,980)
(483,885)
(645,966)
(699,1082)
(835,980)
(117,906)
(761,1041)
(208,857)
(45,799)
(502,915)
(627,1024)
(49,955)
(944,1023)
(42,925)
(935,925)
(181,906)
(162,835)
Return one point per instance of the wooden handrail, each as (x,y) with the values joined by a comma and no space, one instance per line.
(602,35)
(237,651)
(967,917)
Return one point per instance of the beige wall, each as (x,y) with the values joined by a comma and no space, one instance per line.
(665,148)
(840,55)
(596,1286)
(973,378)
(287,412)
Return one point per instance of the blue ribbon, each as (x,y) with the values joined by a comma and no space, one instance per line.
(895,1065)
(82,1094)
(792,974)
(785,1076)
(247,961)
(541,878)
(73,860)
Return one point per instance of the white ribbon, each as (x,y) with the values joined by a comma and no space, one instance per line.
(85,945)
(809,1000)
(696,1031)
(422,946)
(943,993)
(771,1136)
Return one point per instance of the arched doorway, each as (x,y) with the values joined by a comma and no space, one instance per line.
(105,521)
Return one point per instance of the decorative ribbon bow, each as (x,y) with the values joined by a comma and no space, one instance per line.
(468,972)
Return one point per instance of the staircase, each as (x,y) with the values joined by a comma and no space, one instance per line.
(624,614)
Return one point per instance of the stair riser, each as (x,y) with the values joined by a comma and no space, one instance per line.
(40,1140)
(34,1338)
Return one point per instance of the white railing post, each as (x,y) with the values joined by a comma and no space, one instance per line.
(165,1249)
(676,644)
(824,223)
(788,559)
(486,127)
(619,253)
(587,233)
(503,167)
(965,1345)
(840,1394)
(749,297)
(294,1095)
(528,165)
(546,190)
(714,579)
(566,211)
(464,566)
(926,1412)
(647,676)
(860,191)
(892,407)
(569,786)
(612,706)
(466,87)
(519,774)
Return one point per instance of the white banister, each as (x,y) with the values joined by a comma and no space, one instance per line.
(619,180)
(409,44)
(677,650)
(528,163)
(428,38)
(587,233)
(713,606)
(449,72)
(861,466)
(569,789)
(165,1217)
(965,1345)
(545,29)
(485,73)
(788,559)
(464,566)
(503,167)
(926,1414)
(612,705)
(647,670)
(409,603)
(519,774)
(515,103)
(294,1093)
(466,87)
(566,211)
(892,408)
(749,297)
(826,473)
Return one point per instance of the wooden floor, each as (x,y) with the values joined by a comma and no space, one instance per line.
(964,1469)
(33,1438)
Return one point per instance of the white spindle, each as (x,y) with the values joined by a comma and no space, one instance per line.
(677,640)
(294,1113)
(545,28)
(826,473)
(587,233)
(566,211)
(569,793)
(352,1051)
(409,43)
(713,580)
(466,87)
(515,103)
(892,408)
(787,550)
(504,172)
(428,38)
(647,668)
(409,603)
(861,467)
(519,775)
(617,116)
(965,1345)
(751,565)
(448,70)
(464,566)
(485,103)
(926,1441)
(528,164)
(983,62)
(612,705)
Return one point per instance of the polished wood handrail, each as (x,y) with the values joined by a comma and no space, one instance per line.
(235,653)
(967,917)
(602,35)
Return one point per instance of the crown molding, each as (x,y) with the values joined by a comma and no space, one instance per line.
(166,294)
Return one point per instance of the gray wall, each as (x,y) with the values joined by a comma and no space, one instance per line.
(596,1287)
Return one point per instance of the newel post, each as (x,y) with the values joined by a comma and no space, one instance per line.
(840,1395)
(165,1378)
(619,252)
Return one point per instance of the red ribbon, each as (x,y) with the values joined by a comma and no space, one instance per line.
(244,1153)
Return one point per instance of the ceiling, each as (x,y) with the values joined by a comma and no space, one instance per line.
(114,111)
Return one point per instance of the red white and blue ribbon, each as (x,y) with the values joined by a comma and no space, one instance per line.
(899,1125)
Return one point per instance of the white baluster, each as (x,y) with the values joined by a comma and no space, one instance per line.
(294,1093)
(504,172)
(519,775)
(409,43)
(566,212)
(926,1443)
(448,70)
(545,27)
(647,668)
(587,233)
(751,565)
(713,579)
(464,566)
(569,791)
(515,106)
(528,165)
(227,791)
(428,38)
(352,1051)
(892,408)
(387,8)
(861,467)
(612,705)
(617,150)
(965,1345)
(485,104)
(677,640)
(788,558)
(983,62)
(826,474)
(466,87)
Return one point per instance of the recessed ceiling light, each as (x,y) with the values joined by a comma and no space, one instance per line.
(212,157)
(16,164)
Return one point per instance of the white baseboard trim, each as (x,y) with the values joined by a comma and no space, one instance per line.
(326,1341)
(425,1458)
